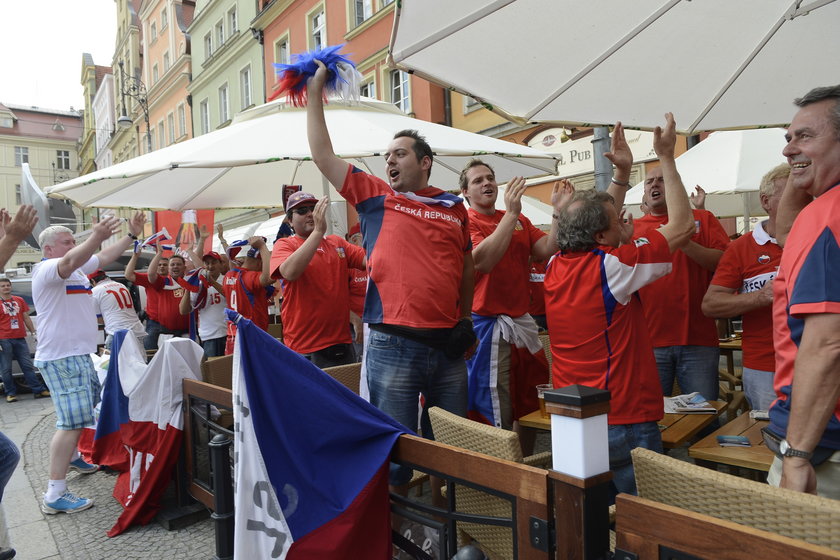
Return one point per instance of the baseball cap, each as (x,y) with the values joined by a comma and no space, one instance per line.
(357,228)
(211,255)
(298,199)
(96,274)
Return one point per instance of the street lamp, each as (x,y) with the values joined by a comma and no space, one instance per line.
(135,89)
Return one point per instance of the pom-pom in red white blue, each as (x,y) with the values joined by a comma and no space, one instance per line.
(343,80)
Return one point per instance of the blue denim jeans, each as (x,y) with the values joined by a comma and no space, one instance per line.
(695,367)
(18,349)
(623,438)
(399,370)
(214,347)
(153,329)
(9,457)
(758,388)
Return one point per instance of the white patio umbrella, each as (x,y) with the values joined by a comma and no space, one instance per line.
(726,164)
(246,164)
(716,64)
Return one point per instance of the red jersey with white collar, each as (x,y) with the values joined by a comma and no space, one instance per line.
(316,306)
(504,290)
(169,295)
(672,304)
(415,243)
(807,284)
(142,279)
(597,327)
(749,263)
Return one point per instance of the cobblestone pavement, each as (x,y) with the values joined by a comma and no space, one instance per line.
(30,424)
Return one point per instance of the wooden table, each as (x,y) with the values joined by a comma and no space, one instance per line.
(757,457)
(676,428)
(728,348)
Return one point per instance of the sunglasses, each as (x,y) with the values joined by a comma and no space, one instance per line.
(303,211)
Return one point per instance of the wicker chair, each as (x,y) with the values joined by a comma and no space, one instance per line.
(496,542)
(348,375)
(546,343)
(793,514)
(218,371)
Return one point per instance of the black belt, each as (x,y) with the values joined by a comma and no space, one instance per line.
(772,441)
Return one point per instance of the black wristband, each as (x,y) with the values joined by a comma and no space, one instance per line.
(132,236)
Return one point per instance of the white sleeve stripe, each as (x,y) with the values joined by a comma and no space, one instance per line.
(624,280)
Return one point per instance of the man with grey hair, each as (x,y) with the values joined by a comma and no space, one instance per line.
(592,285)
(804,425)
(743,285)
(62,296)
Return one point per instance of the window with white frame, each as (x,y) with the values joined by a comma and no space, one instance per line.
(363,9)
(245,86)
(18,196)
(223,104)
(182,120)
(233,24)
(6,121)
(153,32)
(204,116)
(208,45)
(155,73)
(399,90)
(21,155)
(220,33)
(281,52)
(164,19)
(62,159)
(152,139)
(170,127)
(166,63)
(368,89)
(161,135)
(318,25)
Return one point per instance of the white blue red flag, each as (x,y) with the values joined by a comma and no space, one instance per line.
(311,458)
(140,426)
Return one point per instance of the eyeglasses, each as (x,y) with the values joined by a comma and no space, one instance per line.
(303,211)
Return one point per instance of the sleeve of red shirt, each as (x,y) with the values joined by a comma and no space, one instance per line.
(142,279)
(282,250)
(465,228)
(476,235)
(23,307)
(534,233)
(729,271)
(355,255)
(715,236)
(359,186)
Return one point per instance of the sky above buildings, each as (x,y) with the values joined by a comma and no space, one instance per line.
(41,48)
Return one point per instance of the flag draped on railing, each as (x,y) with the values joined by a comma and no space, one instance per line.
(311,458)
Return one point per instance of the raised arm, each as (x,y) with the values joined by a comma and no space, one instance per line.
(707,257)
(185,305)
(487,254)
(680,224)
(791,204)
(220,231)
(110,253)
(130,268)
(196,252)
(561,195)
(622,158)
(698,198)
(320,144)
(295,265)
(265,255)
(14,230)
(153,266)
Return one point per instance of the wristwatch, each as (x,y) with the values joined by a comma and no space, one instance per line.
(787,451)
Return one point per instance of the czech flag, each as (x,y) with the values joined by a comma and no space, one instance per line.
(311,458)
(140,426)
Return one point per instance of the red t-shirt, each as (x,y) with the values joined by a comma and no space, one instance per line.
(504,290)
(316,306)
(11,317)
(358,279)
(536,279)
(142,279)
(247,297)
(807,283)
(415,243)
(672,304)
(597,326)
(169,295)
(747,265)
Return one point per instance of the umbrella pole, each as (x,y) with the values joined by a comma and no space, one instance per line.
(746,198)
(603,167)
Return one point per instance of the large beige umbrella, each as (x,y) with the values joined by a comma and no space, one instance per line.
(716,64)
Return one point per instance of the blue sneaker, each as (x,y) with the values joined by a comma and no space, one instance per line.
(80,465)
(68,503)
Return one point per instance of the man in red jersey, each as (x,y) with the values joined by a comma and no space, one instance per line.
(169,293)
(247,284)
(150,341)
(313,268)
(14,322)
(743,286)
(595,320)
(806,306)
(685,340)
(420,268)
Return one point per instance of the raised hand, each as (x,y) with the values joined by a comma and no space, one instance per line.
(513,195)
(698,199)
(135,224)
(315,84)
(319,215)
(664,140)
(19,227)
(620,155)
(562,194)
